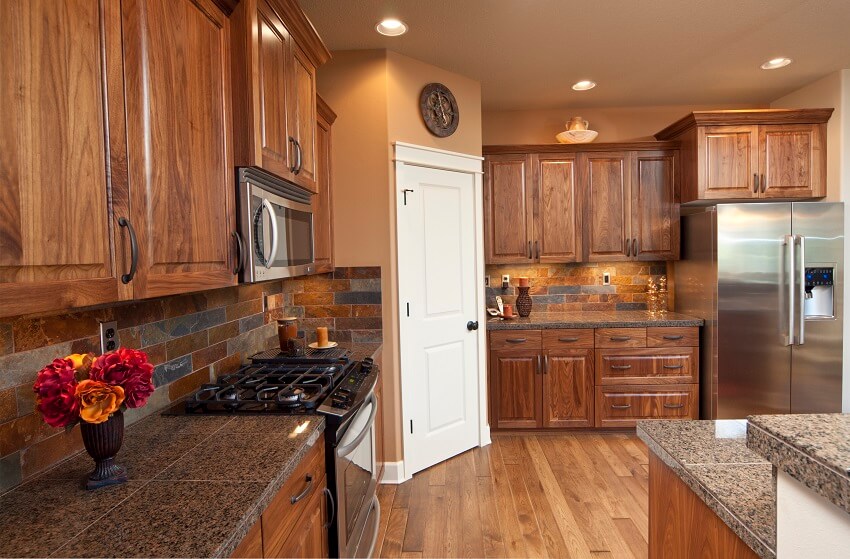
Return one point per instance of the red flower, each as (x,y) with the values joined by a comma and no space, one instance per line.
(55,387)
(129,369)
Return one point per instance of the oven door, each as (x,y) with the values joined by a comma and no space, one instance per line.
(280,236)
(356,480)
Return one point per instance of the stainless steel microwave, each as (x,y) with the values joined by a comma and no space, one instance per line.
(275,226)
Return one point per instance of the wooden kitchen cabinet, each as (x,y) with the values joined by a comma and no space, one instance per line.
(309,537)
(606,177)
(516,388)
(568,388)
(275,55)
(507,209)
(323,228)
(747,155)
(251,545)
(555,210)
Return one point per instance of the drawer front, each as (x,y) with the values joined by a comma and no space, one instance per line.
(620,337)
(568,338)
(520,339)
(622,406)
(282,514)
(646,366)
(672,337)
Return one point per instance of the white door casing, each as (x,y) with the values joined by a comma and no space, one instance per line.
(440,287)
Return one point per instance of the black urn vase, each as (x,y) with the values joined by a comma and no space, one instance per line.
(102,442)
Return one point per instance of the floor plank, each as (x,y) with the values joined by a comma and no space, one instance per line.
(395,533)
(417,513)
(386,494)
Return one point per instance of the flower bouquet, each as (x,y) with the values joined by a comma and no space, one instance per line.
(95,392)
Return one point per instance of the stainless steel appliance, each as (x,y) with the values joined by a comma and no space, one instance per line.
(276,224)
(330,384)
(768,281)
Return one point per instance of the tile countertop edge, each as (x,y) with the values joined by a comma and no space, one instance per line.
(825,480)
(749,537)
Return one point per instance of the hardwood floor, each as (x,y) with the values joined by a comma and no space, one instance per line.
(542,495)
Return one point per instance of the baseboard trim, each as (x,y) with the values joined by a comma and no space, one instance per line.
(394,473)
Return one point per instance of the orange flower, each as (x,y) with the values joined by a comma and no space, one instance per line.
(81,362)
(98,400)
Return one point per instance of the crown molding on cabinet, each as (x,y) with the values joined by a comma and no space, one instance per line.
(745,117)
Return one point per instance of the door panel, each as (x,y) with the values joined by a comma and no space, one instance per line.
(274,51)
(507,210)
(655,205)
(556,210)
(304,74)
(607,206)
(516,389)
(568,388)
(790,160)
(323,200)
(729,162)
(57,173)
(181,165)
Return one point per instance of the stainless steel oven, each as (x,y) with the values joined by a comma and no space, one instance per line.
(275,226)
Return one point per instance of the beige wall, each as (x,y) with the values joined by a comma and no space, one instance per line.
(617,124)
(376,97)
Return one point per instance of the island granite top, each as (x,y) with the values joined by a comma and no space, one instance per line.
(593,319)
(712,458)
(814,449)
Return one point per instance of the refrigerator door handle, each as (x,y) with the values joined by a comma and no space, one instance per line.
(801,332)
(790,268)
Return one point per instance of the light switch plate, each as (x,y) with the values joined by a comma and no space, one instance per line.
(606,278)
(108,336)
(506,280)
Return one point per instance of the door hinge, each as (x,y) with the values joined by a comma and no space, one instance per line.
(408,309)
(404,192)
(411,426)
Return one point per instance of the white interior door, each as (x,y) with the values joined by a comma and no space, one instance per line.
(438,295)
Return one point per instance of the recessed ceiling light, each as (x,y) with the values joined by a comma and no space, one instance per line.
(391,27)
(775,63)
(584,85)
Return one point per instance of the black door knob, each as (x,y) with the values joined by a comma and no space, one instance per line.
(472,325)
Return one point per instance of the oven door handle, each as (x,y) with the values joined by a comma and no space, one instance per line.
(349,448)
(376,504)
(273,223)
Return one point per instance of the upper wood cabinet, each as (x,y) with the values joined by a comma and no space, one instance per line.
(507,209)
(606,177)
(323,229)
(655,205)
(177,83)
(746,155)
(555,208)
(275,55)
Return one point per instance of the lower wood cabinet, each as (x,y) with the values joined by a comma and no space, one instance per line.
(607,377)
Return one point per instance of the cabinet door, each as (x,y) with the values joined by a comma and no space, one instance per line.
(181,168)
(303,110)
(568,388)
(655,205)
(792,161)
(309,536)
(555,211)
(517,388)
(274,51)
(507,209)
(59,172)
(606,215)
(728,162)
(323,200)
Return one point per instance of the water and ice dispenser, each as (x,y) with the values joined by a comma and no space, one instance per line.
(819,293)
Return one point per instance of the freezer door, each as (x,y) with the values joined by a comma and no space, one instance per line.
(816,357)
(754,360)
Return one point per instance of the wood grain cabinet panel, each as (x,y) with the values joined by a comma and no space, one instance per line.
(568,338)
(620,337)
(568,388)
(792,160)
(623,406)
(729,167)
(672,336)
(607,213)
(304,110)
(556,231)
(508,209)
(309,535)
(251,545)
(516,386)
(63,180)
(655,205)
(646,366)
(517,339)
(323,199)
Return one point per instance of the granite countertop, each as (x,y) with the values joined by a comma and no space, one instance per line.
(196,486)
(712,458)
(814,449)
(593,319)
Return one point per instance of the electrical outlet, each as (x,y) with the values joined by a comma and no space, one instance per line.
(108,336)
(606,278)
(486,281)
(506,280)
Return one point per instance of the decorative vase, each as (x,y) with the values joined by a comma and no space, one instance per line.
(523,302)
(103,441)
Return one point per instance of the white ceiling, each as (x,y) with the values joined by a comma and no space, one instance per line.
(527,53)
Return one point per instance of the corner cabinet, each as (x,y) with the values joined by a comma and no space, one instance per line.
(752,155)
(276,53)
(323,228)
(608,202)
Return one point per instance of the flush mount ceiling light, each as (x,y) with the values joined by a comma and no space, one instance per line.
(775,63)
(391,27)
(584,85)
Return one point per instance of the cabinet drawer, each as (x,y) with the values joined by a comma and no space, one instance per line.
(672,337)
(282,514)
(621,337)
(579,338)
(622,406)
(646,366)
(525,339)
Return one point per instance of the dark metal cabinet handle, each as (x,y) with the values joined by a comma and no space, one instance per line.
(295,498)
(516,340)
(674,406)
(240,252)
(134,250)
(755,183)
(300,152)
(537,249)
(292,142)
(568,340)
(763,184)
(529,250)
(332,504)
(628,247)
(546,365)
(621,367)
(673,366)
(620,338)
(634,247)
(472,325)
(673,337)
(539,364)
(621,407)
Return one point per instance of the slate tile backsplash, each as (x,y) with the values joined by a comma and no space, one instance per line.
(190,339)
(577,287)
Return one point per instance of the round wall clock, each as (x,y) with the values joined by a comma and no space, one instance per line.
(439,109)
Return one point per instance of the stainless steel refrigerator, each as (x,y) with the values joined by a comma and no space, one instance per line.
(768,280)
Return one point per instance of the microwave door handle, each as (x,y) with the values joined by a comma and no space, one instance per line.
(350,447)
(273,222)
(790,267)
(801,332)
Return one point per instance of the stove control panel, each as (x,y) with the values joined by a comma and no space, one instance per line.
(352,389)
